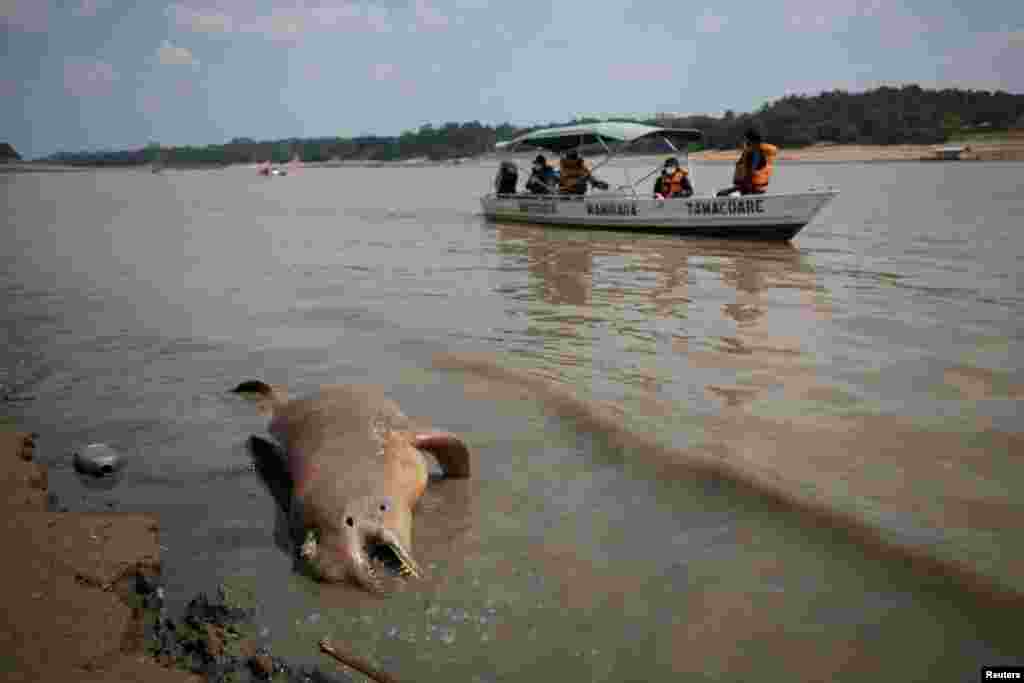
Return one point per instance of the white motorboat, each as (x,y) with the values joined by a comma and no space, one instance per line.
(774,216)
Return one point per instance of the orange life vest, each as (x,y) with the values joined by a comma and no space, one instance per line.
(759,177)
(573,177)
(672,185)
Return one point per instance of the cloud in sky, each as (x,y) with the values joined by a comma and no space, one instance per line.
(351,65)
(200,21)
(834,15)
(632,72)
(709,22)
(428,17)
(312,71)
(31,16)
(149,104)
(170,54)
(37,16)
(993,61)
(85,77)
(895,23)
(90,8)
(383,72)
(352,17)
(8,88)
(391,74)
(286,23)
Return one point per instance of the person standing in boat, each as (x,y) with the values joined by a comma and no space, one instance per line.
(754,168)
(575,175)
(674,181)
(543,179)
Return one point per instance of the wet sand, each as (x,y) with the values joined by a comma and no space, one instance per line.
(770,459)
(66,595)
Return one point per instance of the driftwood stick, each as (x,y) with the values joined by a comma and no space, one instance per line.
(356,663)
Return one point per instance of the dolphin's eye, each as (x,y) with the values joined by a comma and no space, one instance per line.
(383,507)
(350,521)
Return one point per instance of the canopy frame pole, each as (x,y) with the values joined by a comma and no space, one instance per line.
(625,171)
(607,154)
(656,169)
(610,152)
(645,178)
(629,180)
(607,158)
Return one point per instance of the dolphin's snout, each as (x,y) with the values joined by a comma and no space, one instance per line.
(384,549)
(367,555)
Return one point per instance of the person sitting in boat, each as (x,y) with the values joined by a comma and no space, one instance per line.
(674,181)
(506,178)
(754,168)
(576,176)
(543,179)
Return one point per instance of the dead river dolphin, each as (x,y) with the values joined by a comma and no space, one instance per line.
(358,468)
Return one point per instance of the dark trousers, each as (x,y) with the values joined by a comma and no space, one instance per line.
(743,189)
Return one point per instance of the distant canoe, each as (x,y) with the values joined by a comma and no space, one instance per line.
(949,153)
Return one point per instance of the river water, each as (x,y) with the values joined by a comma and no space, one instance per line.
(872,367)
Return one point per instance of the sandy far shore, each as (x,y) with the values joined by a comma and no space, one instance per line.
(69,581)
(1011,149)
(39,167)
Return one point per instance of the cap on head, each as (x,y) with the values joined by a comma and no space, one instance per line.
(752,136)
(540,159)
(671,162)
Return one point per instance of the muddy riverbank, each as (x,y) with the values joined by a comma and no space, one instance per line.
(81,600)
(70,606)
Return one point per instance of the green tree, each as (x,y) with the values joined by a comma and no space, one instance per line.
(951,124)
(152,153)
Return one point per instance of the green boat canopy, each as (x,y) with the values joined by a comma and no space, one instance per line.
(610,133)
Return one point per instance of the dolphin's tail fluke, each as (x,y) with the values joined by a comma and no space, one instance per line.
(268,397)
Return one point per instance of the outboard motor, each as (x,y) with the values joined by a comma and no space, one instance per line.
(506,178)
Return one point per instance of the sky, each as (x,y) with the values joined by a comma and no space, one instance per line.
(117,74)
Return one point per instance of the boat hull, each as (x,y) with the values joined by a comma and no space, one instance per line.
(767,216)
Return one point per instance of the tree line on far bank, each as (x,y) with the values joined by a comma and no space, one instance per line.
(886,115)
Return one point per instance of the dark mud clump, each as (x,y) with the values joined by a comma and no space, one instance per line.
(216,639)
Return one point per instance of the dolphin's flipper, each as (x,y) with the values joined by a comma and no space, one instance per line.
(451,452)
(271,464)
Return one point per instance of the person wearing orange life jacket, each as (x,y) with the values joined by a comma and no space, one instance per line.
(754,167)
(575,175)
(673,181)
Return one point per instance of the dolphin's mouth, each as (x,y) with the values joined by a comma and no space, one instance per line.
(381,555)
(390,557)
